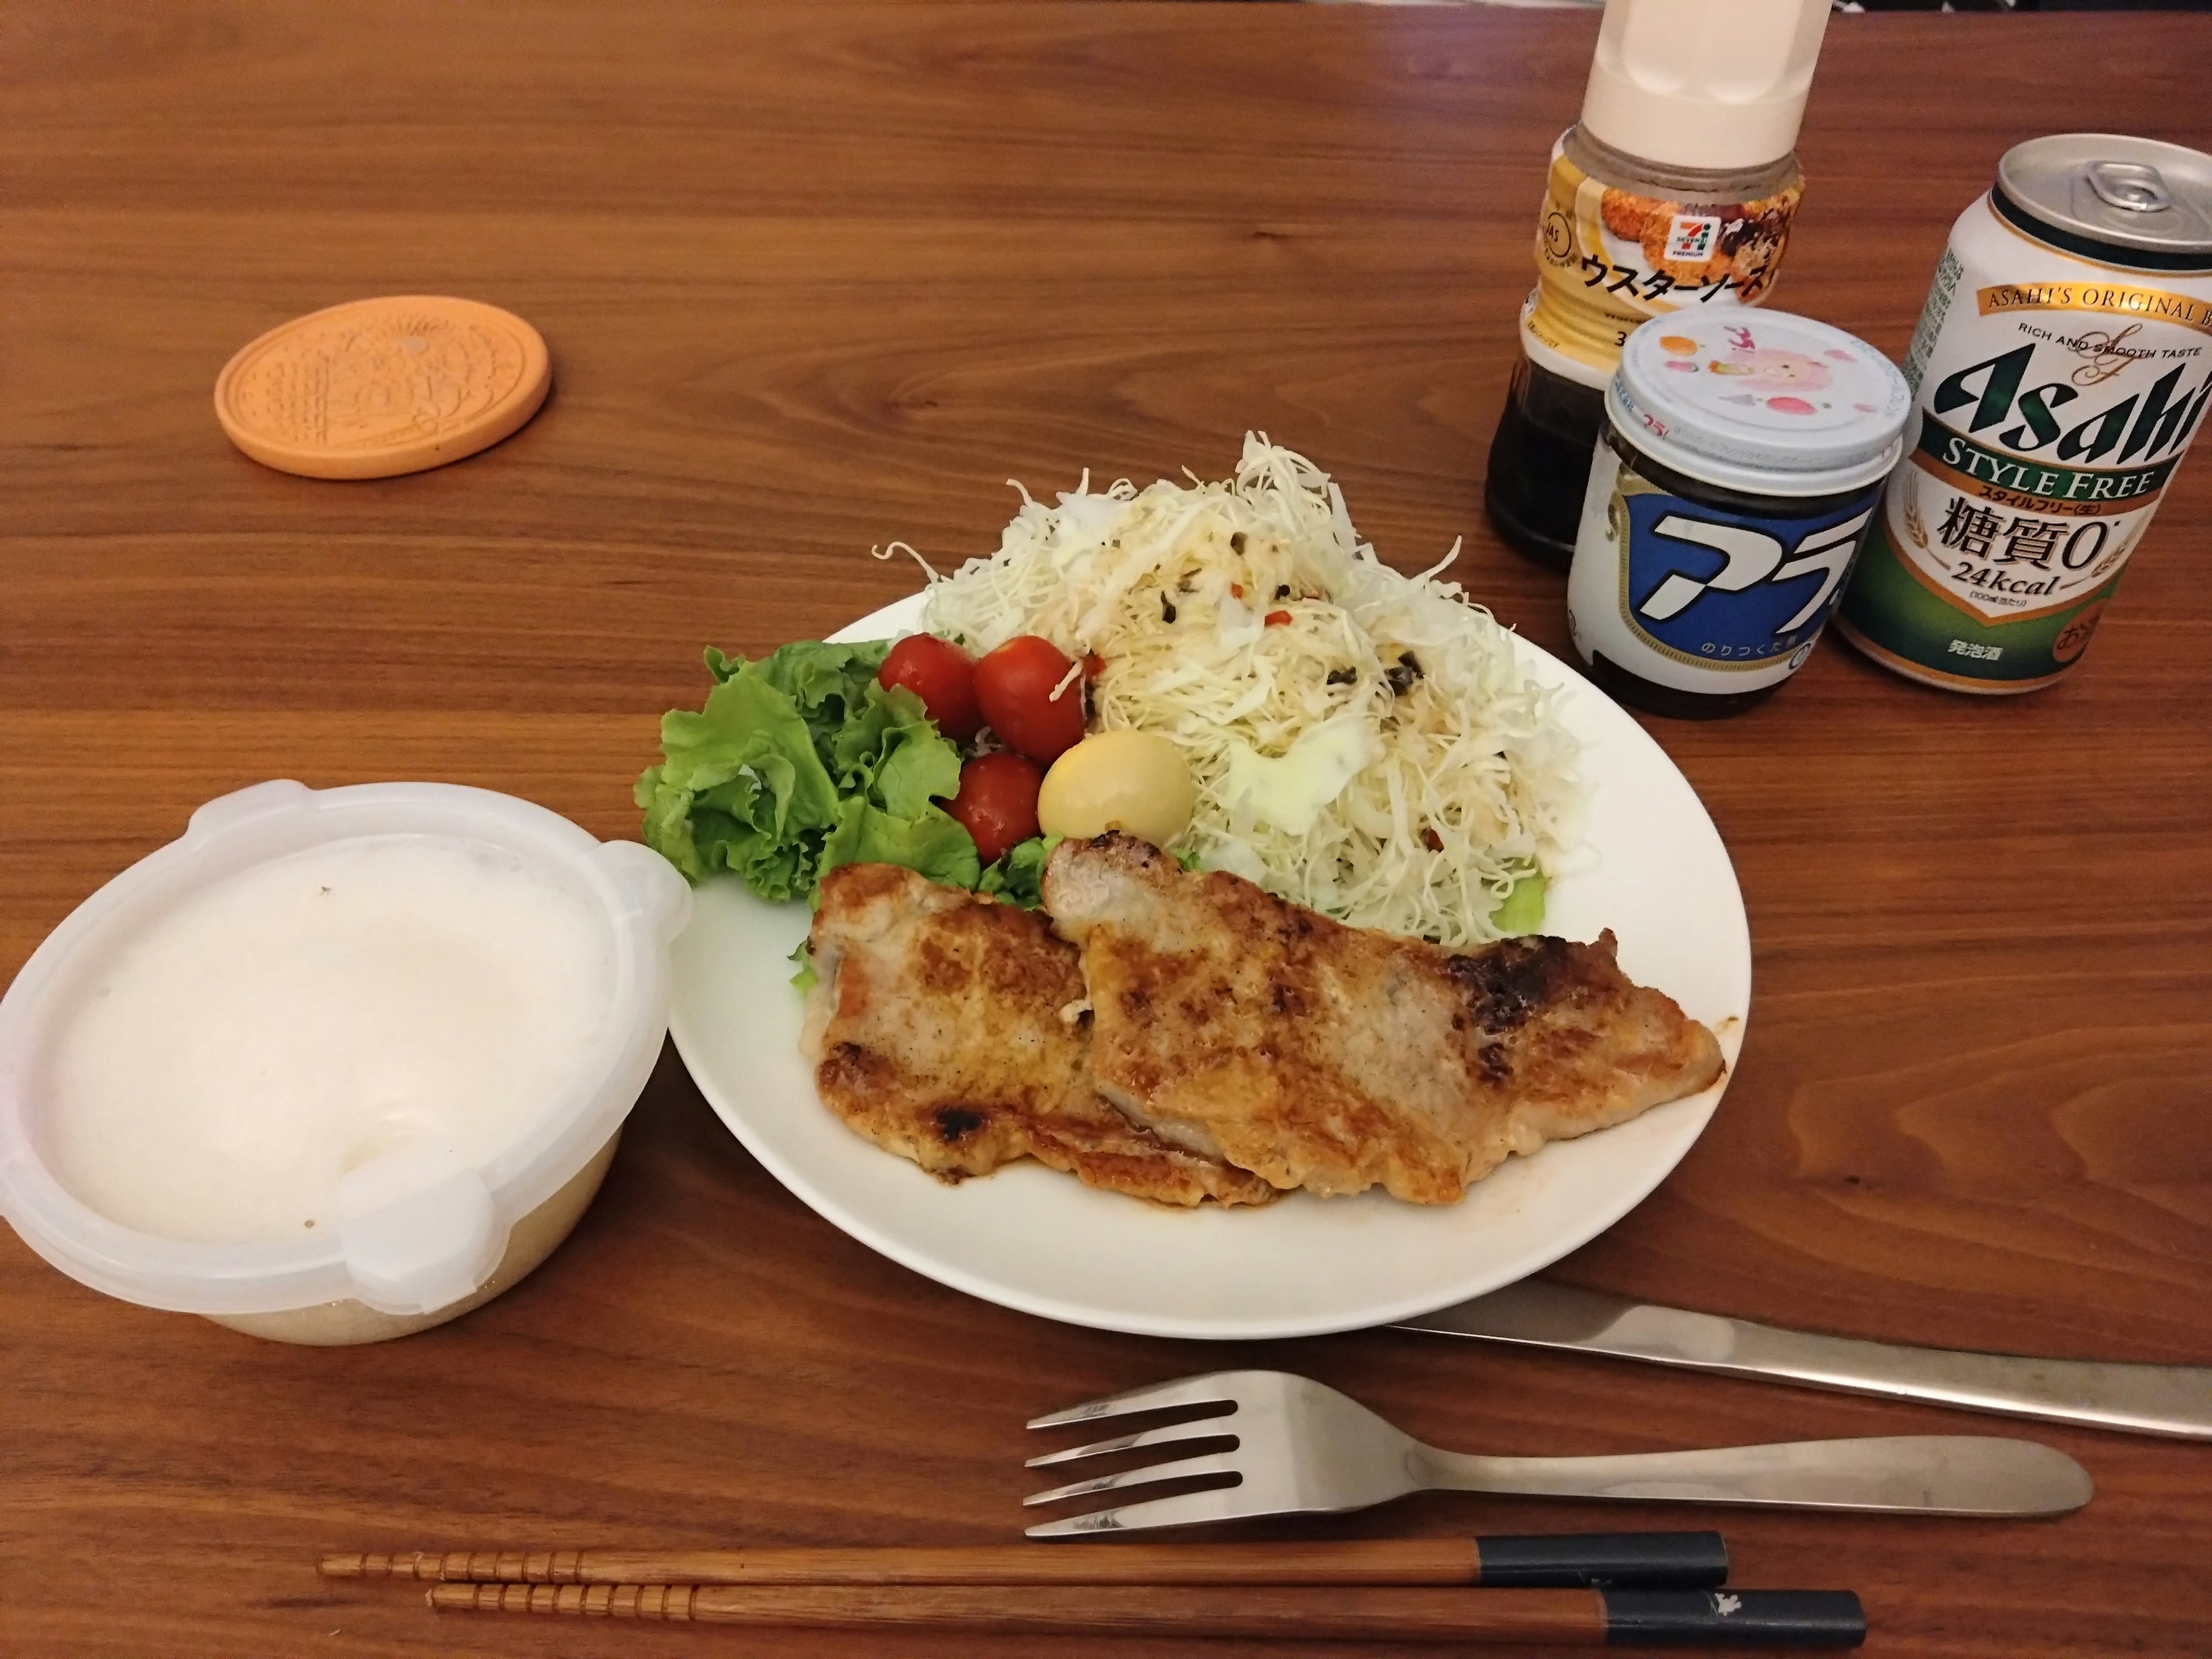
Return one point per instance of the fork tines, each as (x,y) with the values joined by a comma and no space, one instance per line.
(1187,1508)
(1210,1389)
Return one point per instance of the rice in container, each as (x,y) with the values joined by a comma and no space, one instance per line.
(336,1065)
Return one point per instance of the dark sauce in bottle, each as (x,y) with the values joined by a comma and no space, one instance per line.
(1539,462)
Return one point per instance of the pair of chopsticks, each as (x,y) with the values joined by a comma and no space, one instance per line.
(1576,1590)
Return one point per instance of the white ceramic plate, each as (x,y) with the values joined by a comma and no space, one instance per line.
(1034,1239)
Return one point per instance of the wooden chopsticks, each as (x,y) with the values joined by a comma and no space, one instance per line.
(1569,1618)
(1677,1560)
(1570,1589)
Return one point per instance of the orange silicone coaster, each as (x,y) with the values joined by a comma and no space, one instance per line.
(376,387)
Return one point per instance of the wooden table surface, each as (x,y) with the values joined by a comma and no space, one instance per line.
(816,276)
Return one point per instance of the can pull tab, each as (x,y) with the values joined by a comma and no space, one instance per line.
(2131,186)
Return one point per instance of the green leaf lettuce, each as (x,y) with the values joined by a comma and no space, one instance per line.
(800,762)
(1017,877)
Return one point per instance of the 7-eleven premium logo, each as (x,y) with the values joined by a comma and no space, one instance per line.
(1691,236)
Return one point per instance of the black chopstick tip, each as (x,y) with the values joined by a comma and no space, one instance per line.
(1749,1618)
(1639,1560)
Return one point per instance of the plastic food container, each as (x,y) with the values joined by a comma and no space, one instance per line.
(414,1245)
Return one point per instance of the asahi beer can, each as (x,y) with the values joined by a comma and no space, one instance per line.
(2063,363)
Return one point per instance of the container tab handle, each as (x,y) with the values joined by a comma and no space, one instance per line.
(418,1232)
(650,885)
(225,812)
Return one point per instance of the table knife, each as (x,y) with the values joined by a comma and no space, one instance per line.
(2135,1399)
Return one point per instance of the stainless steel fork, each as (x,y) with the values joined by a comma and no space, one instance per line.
(1299,1446)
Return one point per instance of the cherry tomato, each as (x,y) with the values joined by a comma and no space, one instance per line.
(1015,683)
(939,673)
(998,802)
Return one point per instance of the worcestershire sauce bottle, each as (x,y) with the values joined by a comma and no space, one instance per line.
(1675,191)
(1741,463)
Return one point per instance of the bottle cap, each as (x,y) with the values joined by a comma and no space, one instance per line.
(376,388)
(1703,83)
(1760,401)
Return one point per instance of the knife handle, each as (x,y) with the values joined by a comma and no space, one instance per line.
(2174,1401)
(1919,1474)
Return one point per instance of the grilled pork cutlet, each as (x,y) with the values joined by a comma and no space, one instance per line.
(951,1029)
(1332,1058)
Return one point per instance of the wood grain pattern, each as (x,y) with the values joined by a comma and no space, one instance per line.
(817,276)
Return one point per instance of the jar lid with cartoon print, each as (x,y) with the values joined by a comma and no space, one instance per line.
(1760,401)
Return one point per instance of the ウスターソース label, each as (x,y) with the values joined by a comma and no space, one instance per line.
(1608,258)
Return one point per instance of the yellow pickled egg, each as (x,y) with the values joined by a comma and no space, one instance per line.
(1133,781)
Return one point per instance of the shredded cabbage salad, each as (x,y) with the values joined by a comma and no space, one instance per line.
(1363,743)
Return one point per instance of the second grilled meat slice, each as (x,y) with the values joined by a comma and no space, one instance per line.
(1334,1058)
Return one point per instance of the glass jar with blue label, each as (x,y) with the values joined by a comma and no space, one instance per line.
(1742,463)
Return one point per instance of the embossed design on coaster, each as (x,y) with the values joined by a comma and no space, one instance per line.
(376,388)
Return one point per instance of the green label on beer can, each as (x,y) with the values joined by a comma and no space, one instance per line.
(2054,395)
(1891,613)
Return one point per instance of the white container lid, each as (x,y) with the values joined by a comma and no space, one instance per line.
(416,1234)
(1714,84)
(1760,401)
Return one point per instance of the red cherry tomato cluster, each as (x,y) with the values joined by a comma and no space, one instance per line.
(1031,698)
(998,802)
(1013,692)
(939,673)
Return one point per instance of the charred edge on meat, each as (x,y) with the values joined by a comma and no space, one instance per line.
(1146,855)
(955,1123)
(1507,983)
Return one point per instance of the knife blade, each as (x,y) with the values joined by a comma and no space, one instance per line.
(2174,1401)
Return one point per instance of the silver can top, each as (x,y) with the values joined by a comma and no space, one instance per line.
(2135,201)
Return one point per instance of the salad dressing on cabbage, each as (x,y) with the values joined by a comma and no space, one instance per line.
(1363,743)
